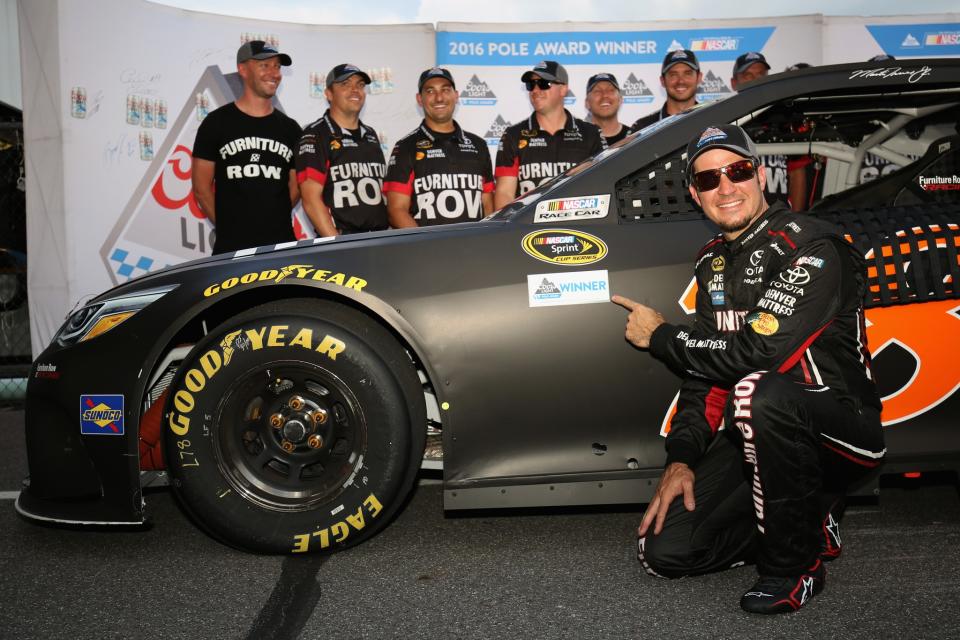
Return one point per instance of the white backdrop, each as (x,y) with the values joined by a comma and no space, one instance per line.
(94,217)
(111,106)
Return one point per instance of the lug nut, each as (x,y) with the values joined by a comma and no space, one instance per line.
(276,421)
(296,403)
(288,446)
(315,441)
(319,416)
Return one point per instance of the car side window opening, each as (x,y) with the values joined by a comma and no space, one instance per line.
(886,165)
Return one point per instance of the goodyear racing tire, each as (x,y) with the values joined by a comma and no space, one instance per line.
(296,427)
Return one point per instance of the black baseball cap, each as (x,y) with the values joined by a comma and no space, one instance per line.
(342,72)
(882,57)
(680,56)
(797,66)
(435,72)
(602,77)
(745,60)
(549,70)
(725,136)
(260,50)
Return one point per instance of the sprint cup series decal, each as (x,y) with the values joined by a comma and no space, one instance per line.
(564,247)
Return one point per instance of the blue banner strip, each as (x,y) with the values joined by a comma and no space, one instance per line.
(922,40)
(594,47)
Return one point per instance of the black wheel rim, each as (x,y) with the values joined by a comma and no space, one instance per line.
(285,467)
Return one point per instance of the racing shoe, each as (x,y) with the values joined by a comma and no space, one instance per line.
(776,594)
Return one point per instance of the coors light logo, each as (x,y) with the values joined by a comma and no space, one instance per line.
(635,91)
(477,92)
(496,130)
(711,88)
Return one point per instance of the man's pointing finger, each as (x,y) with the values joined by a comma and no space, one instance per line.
(626,303)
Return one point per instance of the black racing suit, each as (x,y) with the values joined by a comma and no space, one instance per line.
(777,355)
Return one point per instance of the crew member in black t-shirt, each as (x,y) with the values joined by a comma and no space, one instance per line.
(245,150)
(679,76)
(340,164)
(603,103)
(438,173)
(547,143)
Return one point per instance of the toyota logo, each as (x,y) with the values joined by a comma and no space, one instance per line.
(795,275)
(756,257)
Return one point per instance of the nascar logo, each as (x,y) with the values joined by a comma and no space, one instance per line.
(715,44)
(583,203)
(942,39)
(101,415)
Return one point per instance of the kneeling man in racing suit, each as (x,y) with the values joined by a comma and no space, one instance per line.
(777,410)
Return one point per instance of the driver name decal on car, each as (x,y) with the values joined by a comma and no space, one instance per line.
(253,339)
(564,246)
(339,531)
(582,208)
(293,271)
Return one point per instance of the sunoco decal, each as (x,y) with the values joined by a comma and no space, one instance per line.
(564,246)
(559,289)
(582,208)
(101,415)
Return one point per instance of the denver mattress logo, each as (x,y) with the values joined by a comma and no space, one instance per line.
(101,415)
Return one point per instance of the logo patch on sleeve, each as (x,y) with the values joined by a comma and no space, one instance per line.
(101,415)
(766,324)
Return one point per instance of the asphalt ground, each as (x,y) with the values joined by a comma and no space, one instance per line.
(530,574)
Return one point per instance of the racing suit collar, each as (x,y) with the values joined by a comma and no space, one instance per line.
(756,233)
(433,135)
(336,131)
(569,125)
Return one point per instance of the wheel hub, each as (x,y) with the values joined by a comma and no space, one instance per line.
(295,437)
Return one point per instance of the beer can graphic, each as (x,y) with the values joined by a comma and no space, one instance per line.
(161,114)
(386,75)
(273,40)
(203,106)
(316,85)
(78,102)
(133,109)
(376,84)
(148,115)
(146,145)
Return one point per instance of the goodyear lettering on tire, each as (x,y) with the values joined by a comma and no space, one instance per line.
(214,360)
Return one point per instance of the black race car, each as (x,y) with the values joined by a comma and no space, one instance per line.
(287,391)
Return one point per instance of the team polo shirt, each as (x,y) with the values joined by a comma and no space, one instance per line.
(349,165)
(445,174)
(534,156)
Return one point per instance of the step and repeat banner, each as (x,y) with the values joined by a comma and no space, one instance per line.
(488,60)
(114,92)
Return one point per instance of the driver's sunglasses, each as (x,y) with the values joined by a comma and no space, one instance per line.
(542,84)
(739,171)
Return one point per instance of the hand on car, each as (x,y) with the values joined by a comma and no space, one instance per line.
(641,323)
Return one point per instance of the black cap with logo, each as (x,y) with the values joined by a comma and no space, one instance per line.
(435,72)
(260,50)
(725,136)
(549,70)
(680,56)
(602,77)
(343,72)
(744,61)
